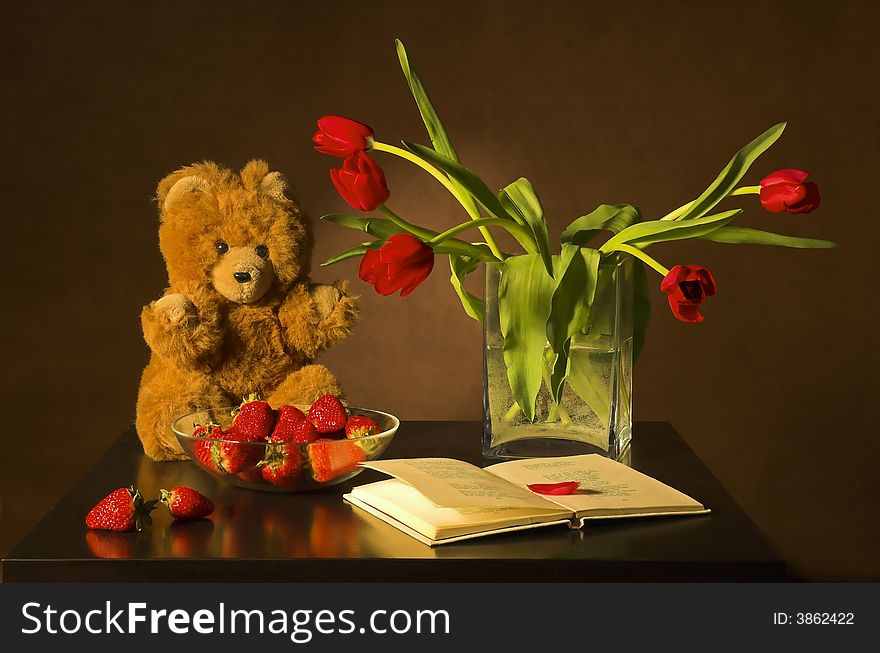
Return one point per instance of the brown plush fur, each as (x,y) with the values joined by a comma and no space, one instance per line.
(214,338)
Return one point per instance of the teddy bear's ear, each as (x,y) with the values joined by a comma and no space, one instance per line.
(274,185)
(181,187)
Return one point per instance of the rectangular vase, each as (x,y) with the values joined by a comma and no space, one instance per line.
(594,414)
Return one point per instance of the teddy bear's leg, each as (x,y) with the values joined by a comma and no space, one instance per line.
(305,385)
(166,393)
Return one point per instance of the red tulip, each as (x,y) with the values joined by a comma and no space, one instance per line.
(361,182)
(342,137)
(789,191)
(688,286)
(402,263)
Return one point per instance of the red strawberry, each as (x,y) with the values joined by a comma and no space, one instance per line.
(203,447)
(253,420)
(226,457)
(185,503)
(331,459)
(289,413)
(360,425)
(121,510)
(282,465)
(290,429)
(328,414)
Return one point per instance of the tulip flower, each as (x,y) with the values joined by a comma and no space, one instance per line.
(402,263)
(342,137)
(789,191)
(361,182)
(686,287)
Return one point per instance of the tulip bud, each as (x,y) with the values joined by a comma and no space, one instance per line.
(789,191)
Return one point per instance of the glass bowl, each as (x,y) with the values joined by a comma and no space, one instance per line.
(312,466)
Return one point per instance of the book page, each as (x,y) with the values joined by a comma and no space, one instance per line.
(407,505)
(607,487)
(457,484)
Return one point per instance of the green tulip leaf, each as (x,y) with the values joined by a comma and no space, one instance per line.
(520,201)
(641,309)
(745,236)
(577,275)
(611,217)
(586,379)
(467,178)
(378,227)
(658,231)
(734,171)
(436,130)
(524,294)
(353,252)
(461,266)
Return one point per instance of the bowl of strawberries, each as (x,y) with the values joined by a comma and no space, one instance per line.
(284,449)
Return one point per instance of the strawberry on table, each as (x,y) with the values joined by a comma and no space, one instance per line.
(359,426)
(330,459)
(328,414)
(123,509)
(185,503)
(253,420)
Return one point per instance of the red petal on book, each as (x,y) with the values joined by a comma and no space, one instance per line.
(566,487)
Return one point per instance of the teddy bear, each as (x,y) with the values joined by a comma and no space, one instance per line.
(240,314)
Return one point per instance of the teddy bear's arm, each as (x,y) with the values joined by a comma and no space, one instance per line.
(174,330)
(316,316)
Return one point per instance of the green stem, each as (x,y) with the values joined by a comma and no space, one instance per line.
(677,213)
(681,210)
(639,254)
(516,230)
(426,235)
(422,234)
(447,183)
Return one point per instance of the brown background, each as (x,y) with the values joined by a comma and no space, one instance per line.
(641,103)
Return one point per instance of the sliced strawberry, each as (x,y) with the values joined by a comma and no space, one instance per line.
(123,509)
(359,426)
(328,414)
(331,459)
(253,420)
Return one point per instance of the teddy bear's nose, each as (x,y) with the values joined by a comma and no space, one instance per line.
(242,277)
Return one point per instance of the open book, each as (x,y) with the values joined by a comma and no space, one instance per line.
(440,500)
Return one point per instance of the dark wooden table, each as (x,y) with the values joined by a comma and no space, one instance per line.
(257,536)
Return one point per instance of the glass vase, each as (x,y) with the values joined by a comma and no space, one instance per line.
(594,414)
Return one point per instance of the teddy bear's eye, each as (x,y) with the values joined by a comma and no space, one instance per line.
(221,247)
(262,251)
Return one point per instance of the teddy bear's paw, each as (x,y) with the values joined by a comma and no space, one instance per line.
(175,307)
